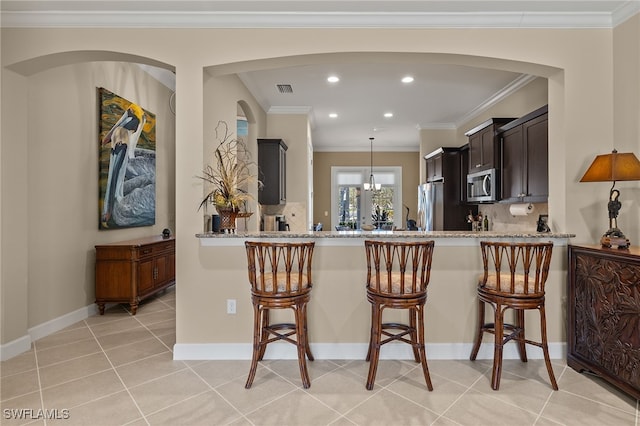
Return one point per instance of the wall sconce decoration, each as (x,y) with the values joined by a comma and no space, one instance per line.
(611,168)
(372,185)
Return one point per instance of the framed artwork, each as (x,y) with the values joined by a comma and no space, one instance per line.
(127,163)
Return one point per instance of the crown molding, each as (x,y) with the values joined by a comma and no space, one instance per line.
(224,19)
(507,91)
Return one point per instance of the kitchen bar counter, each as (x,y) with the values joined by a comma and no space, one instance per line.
(339,314)
(442,237)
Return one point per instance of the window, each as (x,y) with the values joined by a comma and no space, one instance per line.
(353,207)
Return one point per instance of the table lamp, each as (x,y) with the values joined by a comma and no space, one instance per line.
(611,168)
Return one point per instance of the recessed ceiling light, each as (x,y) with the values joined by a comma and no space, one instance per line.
(333,79)
(333,115)
(407,79)
(388,114)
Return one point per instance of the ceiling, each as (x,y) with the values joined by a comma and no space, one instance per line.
(441,96)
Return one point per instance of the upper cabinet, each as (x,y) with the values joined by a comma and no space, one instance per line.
(484,145)
(525,164)
(272,162)
(433,163)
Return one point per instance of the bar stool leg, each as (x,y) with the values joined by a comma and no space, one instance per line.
(264,332)
(308,348)
(545,347)
(301,346)
(413,313)
(257,321)
(375,345)
(371,333)
(499,342)
(479,331)
(522,347)
(421,348)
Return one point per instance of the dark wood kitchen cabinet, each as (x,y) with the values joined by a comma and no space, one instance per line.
(272,162)
(603,315)
(439,160)
(130,271)
(484,145)
(449,208)
(525,164)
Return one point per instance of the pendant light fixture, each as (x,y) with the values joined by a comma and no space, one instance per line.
(371,185)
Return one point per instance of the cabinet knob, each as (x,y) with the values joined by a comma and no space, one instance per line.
(478,165)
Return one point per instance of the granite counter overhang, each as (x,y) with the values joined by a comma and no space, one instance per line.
(352,238)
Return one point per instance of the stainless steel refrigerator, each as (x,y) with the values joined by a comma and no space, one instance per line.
(441,209)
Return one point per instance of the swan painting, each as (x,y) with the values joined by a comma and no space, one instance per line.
(127,187)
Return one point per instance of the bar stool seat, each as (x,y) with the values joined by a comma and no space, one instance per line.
(514,278)
(280,278)
(397,278)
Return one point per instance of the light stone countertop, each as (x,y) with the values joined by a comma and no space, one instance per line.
(355,238)
(388,234)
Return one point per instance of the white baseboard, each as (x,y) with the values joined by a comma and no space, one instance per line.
(23,344)
(15,347)
(242,351)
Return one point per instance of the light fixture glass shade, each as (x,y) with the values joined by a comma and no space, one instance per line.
(368,186)
(613,167)
(371,185)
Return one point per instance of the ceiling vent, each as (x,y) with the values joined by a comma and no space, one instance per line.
(284,88)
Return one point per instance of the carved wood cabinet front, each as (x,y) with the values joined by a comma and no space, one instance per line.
(604,314)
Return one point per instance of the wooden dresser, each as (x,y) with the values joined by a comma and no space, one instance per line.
(604,314)
(130,271)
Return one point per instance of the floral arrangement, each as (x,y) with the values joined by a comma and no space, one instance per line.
(231,174)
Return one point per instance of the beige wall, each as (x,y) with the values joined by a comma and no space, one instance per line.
(626,117)
(322,162)
(579,66)
(223,97)
(293,129)
(58,221)
(62,187)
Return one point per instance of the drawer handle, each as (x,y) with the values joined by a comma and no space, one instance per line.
(146,251)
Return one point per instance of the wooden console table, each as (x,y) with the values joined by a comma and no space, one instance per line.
(130,271)
(604,314)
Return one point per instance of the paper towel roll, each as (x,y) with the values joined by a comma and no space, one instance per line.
(521,209)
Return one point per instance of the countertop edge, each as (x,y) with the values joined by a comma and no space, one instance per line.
(354,238)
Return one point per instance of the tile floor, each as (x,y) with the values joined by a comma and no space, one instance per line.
(118,369)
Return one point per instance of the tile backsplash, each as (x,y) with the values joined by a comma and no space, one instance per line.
(500,219)
(295,213)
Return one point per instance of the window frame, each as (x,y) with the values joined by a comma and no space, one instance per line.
(364,172)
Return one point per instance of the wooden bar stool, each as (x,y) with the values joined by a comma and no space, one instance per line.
(397,278)
(280,278)
(514,278)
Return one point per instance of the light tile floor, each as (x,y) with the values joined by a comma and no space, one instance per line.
(117,369)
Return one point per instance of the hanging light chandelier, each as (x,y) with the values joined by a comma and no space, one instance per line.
(371,185)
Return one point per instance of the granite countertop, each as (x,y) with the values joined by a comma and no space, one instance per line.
(387,234)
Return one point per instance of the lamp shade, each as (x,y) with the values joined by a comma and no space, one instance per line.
(613,167)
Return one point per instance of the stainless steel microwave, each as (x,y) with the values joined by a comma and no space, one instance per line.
(482,187)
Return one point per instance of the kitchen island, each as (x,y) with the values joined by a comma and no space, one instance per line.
(339,313)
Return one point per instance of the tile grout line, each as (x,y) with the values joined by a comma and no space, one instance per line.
(35,354)
(119,377)
(546,402)
(466,391)
(242,415)
(306,391)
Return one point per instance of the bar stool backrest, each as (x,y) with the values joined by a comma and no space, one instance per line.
(515,268)
(398,269)
(288,265)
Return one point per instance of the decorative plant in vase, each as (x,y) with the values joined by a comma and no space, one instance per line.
(229,178)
